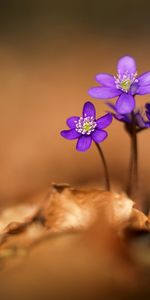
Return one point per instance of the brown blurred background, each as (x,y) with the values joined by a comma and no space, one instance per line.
(50,52)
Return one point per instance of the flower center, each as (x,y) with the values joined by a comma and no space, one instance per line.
(124,82)
(85,125)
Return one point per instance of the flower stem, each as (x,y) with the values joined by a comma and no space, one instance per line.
(133,169)
(107,179)
(130,172)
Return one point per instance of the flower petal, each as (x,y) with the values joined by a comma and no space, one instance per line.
(143,90)
(144,79)
(147,106)
(104,92)
(122,118)
(104,121)
(133,88)
(147,124)
(139,120)
(71,134)
(83,143)
(148,115)
(126,64)
(125,104)
(99,135)
(71,122)
(111,105)
(89,110)
(106,79)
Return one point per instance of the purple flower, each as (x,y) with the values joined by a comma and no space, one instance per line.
(125,85)
(87,128)
(147,106)
(139,117)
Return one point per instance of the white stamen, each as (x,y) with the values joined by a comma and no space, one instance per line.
(85,125)
(124,81)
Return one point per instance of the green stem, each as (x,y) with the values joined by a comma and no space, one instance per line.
(107,180)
